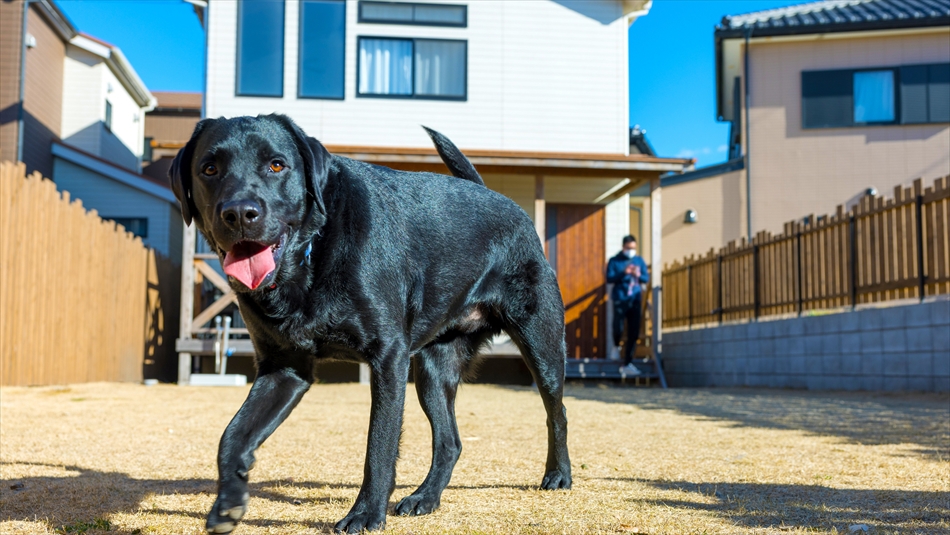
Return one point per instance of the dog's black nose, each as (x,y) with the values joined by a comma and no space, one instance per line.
(238,214)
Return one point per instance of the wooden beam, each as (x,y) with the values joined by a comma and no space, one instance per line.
(213,276)
(214,308)
(540,208)
(656,274)
(187,309)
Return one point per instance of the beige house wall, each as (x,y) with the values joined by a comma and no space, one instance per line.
(797,172)
(719,202)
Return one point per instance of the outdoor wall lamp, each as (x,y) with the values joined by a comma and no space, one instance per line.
(871,192)
(690,216)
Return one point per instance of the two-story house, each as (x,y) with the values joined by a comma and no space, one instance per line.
(78,118)
(534,92)
(828,101)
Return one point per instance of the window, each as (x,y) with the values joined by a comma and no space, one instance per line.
(925,93)
(874,97)
(910,94)
(108,115)
(138,226)
(322,49)
(417,14)
(412,68)
(260,48)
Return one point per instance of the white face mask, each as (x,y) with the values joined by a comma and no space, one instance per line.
(630,253)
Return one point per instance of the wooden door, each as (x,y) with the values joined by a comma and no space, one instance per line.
(575,248)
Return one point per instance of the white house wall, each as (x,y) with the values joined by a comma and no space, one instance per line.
(83,103)
(86,83)
(542,76)
(128,123)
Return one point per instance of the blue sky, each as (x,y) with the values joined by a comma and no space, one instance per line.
(672,78)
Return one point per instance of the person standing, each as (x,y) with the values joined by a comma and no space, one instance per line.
(628,273)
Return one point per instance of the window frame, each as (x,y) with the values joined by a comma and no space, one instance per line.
(413,96)
(237,52)
(108,116)
(300,56)
(903,114)
(118,220)
(361,19)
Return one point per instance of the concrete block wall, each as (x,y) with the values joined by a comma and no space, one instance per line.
(894,348)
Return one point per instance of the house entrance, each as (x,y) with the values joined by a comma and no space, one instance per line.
(574,246)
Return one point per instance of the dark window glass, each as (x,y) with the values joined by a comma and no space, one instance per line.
(260,54)
(410,13)
(914,94)
(322,48)
(386,12)
(108,115)
(909,94)
(440,68)
(827,99)
(938,93)
(420,68)
(138,226)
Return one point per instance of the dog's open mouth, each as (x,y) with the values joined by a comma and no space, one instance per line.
(251,262)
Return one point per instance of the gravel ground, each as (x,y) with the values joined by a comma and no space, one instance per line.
(131,459)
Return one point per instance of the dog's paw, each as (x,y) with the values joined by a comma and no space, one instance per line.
(356,522)
(415,505)
(225,513)
(556,479)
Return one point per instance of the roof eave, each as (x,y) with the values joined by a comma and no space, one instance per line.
(120,67)
(722,34)
(56,18)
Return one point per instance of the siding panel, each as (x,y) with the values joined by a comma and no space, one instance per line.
(113,199)
(516,100)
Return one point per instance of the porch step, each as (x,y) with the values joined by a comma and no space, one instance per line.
(607,369)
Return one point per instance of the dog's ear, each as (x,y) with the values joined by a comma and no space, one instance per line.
(179,174)
(316,161)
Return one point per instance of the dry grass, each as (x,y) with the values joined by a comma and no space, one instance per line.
(122,458)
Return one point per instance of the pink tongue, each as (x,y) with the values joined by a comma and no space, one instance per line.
(249,263)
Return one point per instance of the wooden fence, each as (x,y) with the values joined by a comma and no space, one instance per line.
(880,250)
(75,300)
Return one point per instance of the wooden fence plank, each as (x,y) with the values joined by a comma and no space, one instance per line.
(72,288)
(882,249)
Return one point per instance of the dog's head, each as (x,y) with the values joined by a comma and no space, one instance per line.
(254,188)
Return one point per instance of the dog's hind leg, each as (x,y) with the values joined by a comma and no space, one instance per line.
(438,370)
(538,331)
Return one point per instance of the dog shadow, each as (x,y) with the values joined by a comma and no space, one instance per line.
(84,499)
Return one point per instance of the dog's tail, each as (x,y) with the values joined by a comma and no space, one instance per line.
(457,163)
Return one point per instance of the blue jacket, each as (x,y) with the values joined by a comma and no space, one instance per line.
(626,289)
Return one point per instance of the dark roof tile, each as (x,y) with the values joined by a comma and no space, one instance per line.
(838,15)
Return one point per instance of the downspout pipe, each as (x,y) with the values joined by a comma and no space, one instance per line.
(21,112)
(748,141)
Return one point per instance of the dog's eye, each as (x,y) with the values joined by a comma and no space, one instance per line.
(210,169)
(276,167)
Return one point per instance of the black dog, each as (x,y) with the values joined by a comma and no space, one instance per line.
(335,258)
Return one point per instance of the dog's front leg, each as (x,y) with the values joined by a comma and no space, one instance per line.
(388,388)
(271,399)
